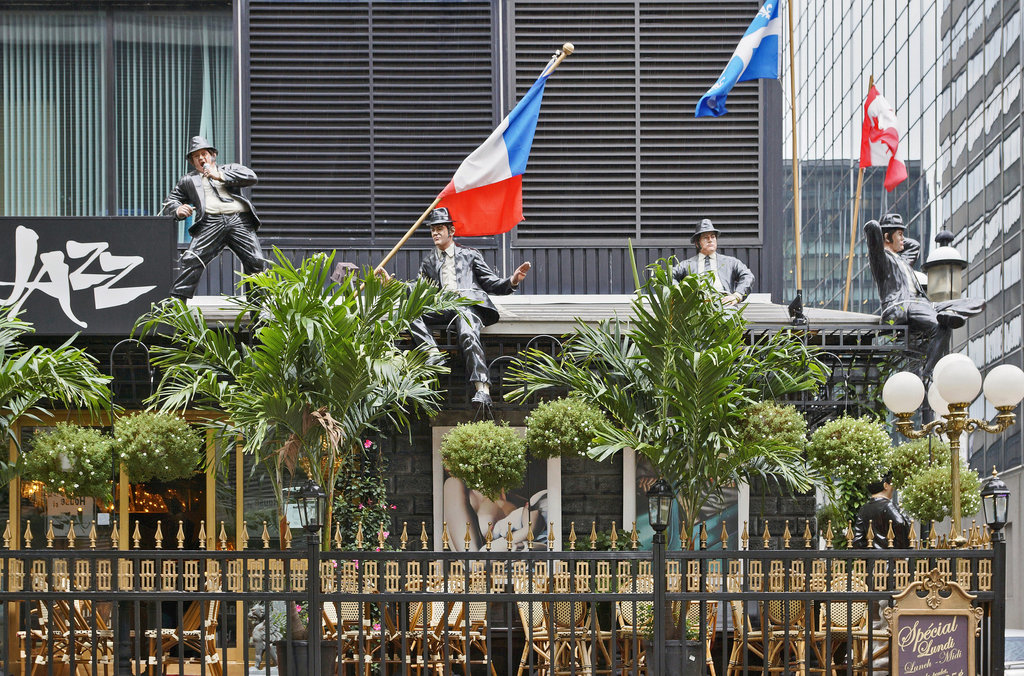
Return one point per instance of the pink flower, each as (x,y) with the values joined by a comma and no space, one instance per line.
(376,627)
(387,533)
(394,506)
(361,506)
(367,443)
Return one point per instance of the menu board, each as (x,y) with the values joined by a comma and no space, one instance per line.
(933,644)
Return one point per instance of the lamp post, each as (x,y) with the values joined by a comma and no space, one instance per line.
(945,266)
(995,499)
(659,508)
(311,502)
(957,382)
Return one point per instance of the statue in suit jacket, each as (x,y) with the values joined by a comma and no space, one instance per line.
(462,269)
(731,277)
(892,257)
(223,216)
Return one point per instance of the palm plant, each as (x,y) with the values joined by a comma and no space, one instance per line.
(32,376)
(322,370)
(676,381)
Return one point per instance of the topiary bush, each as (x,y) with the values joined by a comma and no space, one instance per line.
(487,457)
(928,495)
(157,446)
(71,459)
(770,420)
(562,428)
(854,452)
(909,459)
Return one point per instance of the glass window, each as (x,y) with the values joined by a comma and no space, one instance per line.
(172,78)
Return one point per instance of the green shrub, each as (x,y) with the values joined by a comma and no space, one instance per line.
(928,495)
(487,457)
(562,428)
(855,452)
(73,460)
(157,446)
(769,420)
(911,458)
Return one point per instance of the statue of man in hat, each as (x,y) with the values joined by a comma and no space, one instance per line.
(223,216)
(459,268)
(892,257)
(732,278)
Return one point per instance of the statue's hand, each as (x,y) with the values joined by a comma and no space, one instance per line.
(184,211)
(520,274)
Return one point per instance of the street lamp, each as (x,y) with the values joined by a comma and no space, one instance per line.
(659,504)
(995,498)
(945,267)
(957,383)
(312,505)
(311,502)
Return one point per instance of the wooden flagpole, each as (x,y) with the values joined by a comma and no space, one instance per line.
(796,166)
(856,219)
(556,59)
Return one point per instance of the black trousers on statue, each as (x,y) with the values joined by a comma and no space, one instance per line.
(234,231)
(468,325)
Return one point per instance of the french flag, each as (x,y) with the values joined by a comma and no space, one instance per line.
(485,197)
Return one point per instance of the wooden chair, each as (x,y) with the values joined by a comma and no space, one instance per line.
(745,640)
(711,620)
(629,615)
(198,632)
(838,623)
(785,634)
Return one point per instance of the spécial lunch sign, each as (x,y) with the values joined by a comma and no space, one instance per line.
(933,625)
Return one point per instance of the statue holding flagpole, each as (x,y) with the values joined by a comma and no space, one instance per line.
(485,197)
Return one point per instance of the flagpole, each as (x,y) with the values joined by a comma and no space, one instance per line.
(798,316)
(556,59)
(856,219)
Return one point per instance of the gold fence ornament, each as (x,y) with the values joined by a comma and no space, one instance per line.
(634,539)
(7,535)
(913,536)
(202,534)
(551,537)
(613,537)
(181,534)
(137,534)
(114,536)
(529,537)
(807,533)
(423,535)
(359,534)
(71,535)
(703,531)
(933,537)
(508,540)
(92,535)
(593,535)
(339,543)
(381,536)
(572,536)
(265,536)
(786,536)
(870,535)
(684,535)
(745,538)
(828,534)
(849,534)
(890,536)
(766,537)
(223,536)
(245,535)
(444,536)
(724,536)
(403,541)
(468,540)
(49,534)
(28,534)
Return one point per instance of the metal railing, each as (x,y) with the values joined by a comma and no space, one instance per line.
(793,608)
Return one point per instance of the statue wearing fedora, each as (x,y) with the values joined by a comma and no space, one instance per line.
(223,216)
(731,277)
(462,269)
(892,257)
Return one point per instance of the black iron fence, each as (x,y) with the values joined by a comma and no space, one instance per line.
(502,610)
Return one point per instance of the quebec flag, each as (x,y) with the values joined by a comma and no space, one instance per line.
(756,57)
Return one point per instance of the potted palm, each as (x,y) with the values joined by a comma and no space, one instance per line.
(322,371)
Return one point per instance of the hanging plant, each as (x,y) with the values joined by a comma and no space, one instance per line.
(72,460)
(855,452)
(487,457)
(928,495)
(909,459)
(157,446)
(562,428)
(768,420)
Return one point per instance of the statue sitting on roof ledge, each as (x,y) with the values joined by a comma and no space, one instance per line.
(892,257)
(732,278)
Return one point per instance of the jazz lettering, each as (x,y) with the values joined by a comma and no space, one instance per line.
(81,266)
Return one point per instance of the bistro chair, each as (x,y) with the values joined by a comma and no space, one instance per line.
(745,639)
(197,632)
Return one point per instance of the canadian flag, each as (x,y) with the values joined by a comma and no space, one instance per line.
(880,141)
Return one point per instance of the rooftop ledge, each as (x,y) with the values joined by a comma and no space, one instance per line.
(556,314)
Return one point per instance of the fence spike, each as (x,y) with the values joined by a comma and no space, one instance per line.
(933,537)
(92,535)
(703,534)
(914,544)
(49,534)
(572,536)
(223,536)
(266,536)
(508,539)
(468,539)
(444,536)
(181,534)
(614,537)
(766,536)
(159,537)
(807,533)
(114,536)
(490,535)
(725,536)
(381,536)
(359,534)
(245,534)
(529,537)
(975,537)
(786,536)
(593,535)
(7,535)
(849,534)
(71,534)
(889,535)
(828,534)
(338,542)
(745,538)
(551,537)
(684,535)
(28,534)
(137,534)
(202,534)
(404,540)
(870,536)
(423,535)
(286,536)
(634,541)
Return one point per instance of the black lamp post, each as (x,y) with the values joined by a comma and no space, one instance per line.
(312,505)
(659,502)
(995,498)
